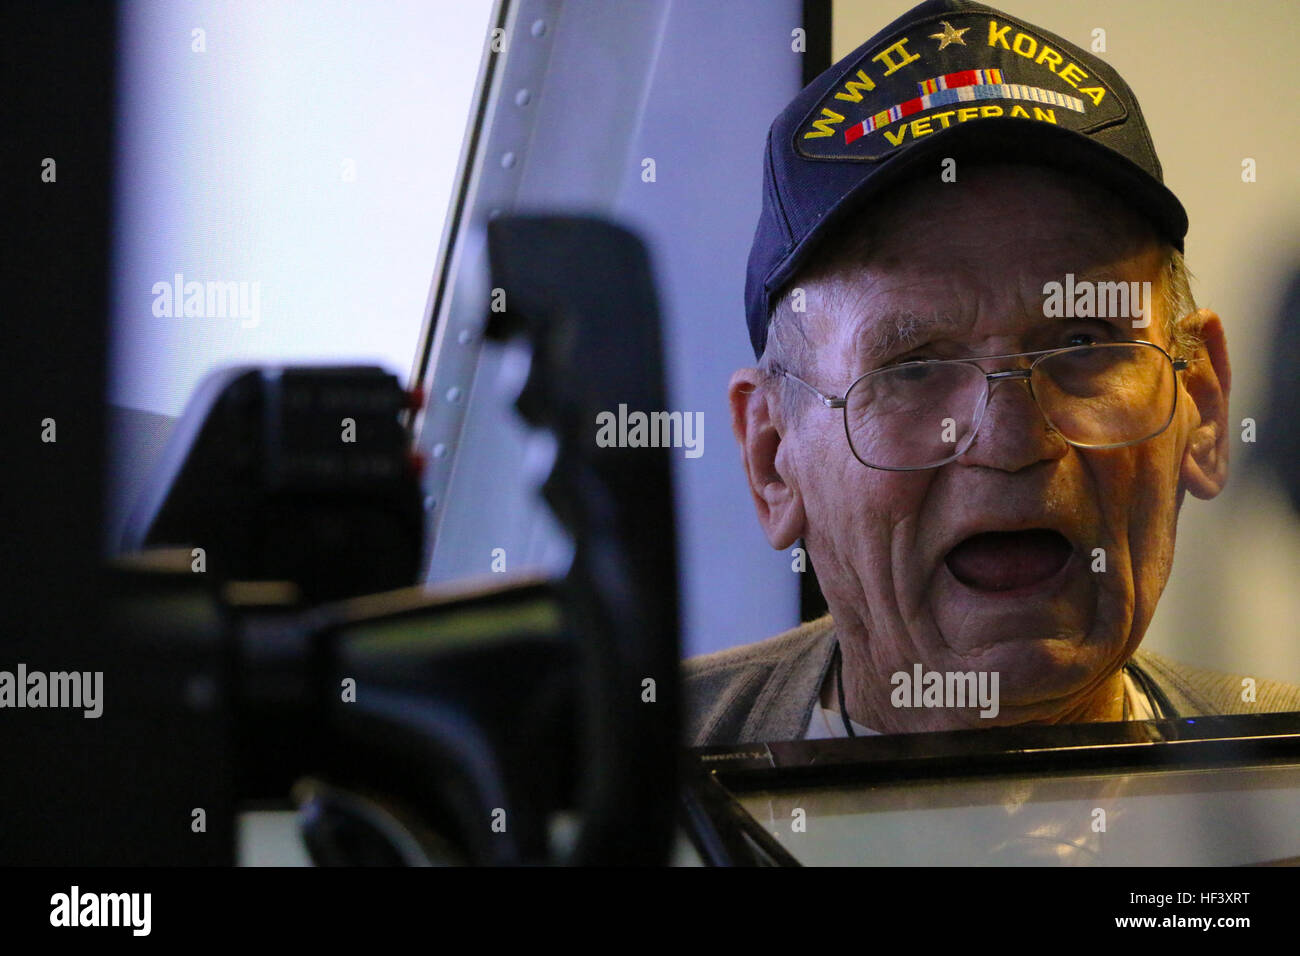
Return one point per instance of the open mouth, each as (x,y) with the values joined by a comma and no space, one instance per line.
(1007,560)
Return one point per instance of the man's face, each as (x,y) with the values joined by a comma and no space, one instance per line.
(896,552)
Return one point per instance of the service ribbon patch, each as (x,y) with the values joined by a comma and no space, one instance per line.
(977,65)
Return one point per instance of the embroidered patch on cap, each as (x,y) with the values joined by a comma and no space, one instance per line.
(949,70)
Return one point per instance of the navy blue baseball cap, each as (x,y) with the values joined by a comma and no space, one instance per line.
(948,78)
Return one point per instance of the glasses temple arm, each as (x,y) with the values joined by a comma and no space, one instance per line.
(827,400)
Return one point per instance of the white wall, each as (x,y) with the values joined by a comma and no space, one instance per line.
(231,167)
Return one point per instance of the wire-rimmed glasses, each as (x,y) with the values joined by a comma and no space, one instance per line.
(926,413)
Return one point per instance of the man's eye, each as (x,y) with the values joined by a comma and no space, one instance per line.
(918,356)
(913,369)
(1089,336)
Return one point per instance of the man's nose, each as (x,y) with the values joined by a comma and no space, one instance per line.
(1013,433)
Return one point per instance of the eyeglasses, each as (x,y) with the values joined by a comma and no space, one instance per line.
(924,414)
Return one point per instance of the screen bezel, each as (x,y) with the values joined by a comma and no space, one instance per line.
(1145,745)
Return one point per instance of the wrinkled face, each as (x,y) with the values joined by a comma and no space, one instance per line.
(989,562)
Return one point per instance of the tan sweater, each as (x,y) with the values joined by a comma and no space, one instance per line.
(765,691)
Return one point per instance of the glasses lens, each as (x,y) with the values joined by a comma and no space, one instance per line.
(915,415)
(1111,394)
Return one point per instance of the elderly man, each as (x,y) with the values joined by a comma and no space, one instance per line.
(983,392)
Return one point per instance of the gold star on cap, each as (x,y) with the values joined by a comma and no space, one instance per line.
(949,35)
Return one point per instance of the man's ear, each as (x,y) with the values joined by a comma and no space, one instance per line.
(1208,381)
(756,423)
